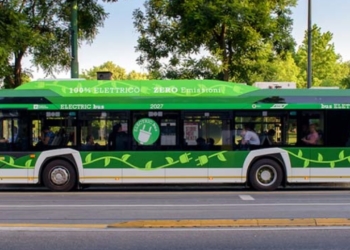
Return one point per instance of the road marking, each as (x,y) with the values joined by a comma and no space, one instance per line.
(246,197)
(171,205)
(132,230)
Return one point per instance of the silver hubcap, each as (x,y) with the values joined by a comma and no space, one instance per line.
(266,175)
(59,175)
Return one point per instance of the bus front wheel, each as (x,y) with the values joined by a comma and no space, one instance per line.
(265,175)
(59,175)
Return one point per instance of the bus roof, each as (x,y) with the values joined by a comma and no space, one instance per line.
(165,94)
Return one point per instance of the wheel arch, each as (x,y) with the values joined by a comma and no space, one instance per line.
(69,155)
(276,154)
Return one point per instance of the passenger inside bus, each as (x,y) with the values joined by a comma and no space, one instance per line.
(250,138)
(47,136)
(313,137)
(118,139)
(90,143)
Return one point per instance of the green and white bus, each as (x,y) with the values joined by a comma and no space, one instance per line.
(60,134)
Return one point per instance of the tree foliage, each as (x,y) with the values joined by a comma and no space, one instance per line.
(236,32)
(189,68)
(41,29)
(327,67)
(118,73)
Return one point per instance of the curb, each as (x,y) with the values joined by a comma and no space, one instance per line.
(305,222)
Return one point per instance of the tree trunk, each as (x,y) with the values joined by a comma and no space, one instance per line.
(222,42)
(17,70)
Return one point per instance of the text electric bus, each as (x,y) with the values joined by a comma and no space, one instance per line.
(67,133)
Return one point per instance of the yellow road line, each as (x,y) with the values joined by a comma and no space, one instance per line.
(297,222)
(303,222)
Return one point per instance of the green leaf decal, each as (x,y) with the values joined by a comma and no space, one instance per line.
(341,155)
(107,161)
(221,157)
(88,158)
(125,157)
(148,165)
(223,89)
(300,153)
(320,157)
(169,160)
(63,89)
(11,161)
(332,164)
(27,164)
(306,163)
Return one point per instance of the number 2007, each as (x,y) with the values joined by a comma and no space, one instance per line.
(156,106)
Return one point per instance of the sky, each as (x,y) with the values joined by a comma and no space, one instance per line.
(116,41)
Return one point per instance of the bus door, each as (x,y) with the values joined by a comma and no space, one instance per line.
(14,158)
(154,133)
(315,157)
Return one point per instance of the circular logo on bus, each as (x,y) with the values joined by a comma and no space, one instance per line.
(146,131)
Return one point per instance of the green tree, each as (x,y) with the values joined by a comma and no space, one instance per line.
(327,67)
(41,29)
(345,82)
(190,68)
(234,31)
(133,75)
(280,69)
(118,73)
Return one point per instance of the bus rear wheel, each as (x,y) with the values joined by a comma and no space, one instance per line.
(265,175)
(59,175)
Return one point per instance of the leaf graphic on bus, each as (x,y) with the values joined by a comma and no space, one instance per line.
(332,164)
(125,157)
(237,89)
(11,161)
(148,165)
(27,164)
(88,158)
(202,86)
(341,155)
(223,89)
(221,157)
(169,160)
(300,153)
(320,157)
(306,163)
(63,89)
(107,161)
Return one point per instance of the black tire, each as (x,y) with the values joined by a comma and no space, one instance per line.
(272,178)
(66,176)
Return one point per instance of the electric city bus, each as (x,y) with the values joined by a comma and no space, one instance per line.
(65,134)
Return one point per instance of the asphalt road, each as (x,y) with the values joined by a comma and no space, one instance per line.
(182,239)
(110,207)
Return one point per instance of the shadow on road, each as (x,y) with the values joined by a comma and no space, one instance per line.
(176,188)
